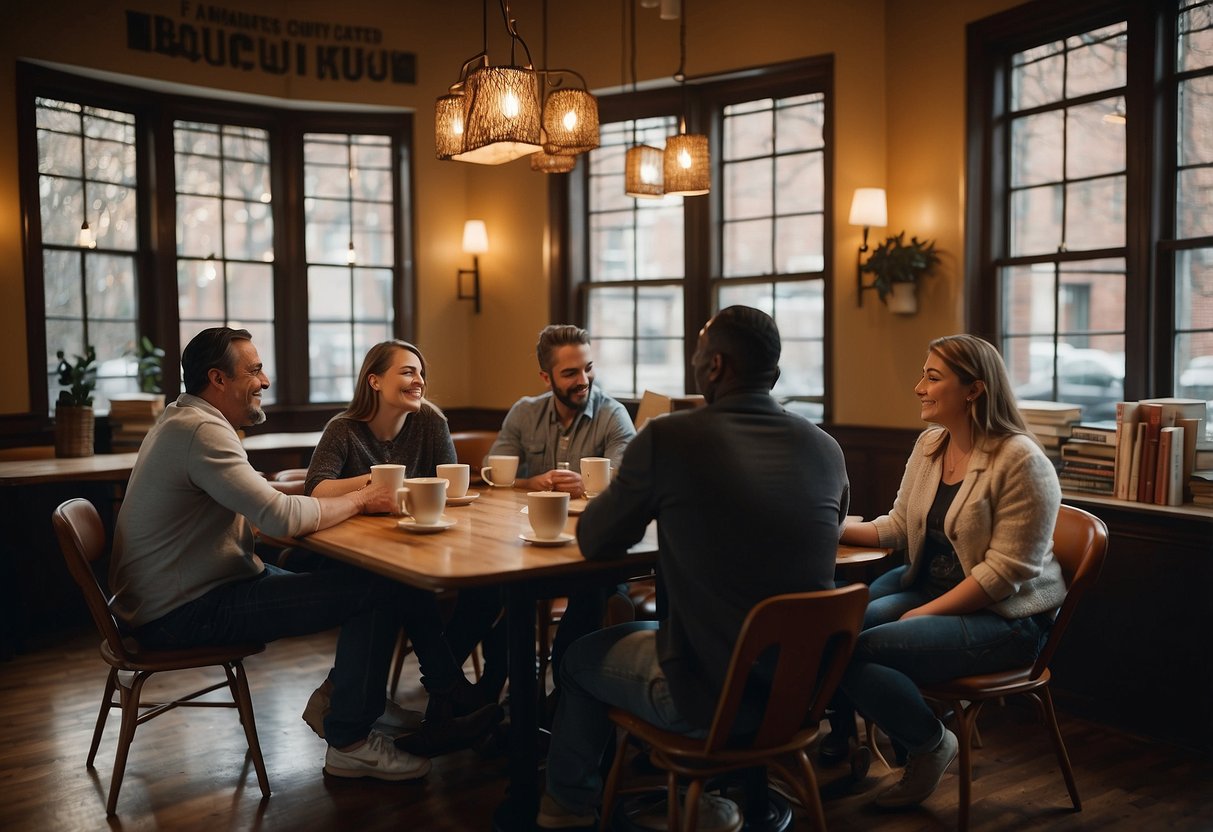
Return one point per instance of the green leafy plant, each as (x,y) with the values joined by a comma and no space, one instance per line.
(896,261)
(79,377)
(150,365)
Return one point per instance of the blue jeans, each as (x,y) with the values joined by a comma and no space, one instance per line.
(892,658)
(277,604)
(613,667)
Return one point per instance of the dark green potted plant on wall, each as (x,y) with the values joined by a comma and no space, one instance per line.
(896,267)
(74,425)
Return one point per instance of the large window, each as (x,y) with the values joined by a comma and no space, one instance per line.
(1091,245)
(189,226)
(646,273)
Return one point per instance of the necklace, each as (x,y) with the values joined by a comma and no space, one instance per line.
(956,459)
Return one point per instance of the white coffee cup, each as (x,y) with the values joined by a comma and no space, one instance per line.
(388,475)
(548,511)
(424,498)
(504,470)
(595,474)
(457,475)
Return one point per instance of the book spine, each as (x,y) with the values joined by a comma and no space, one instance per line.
(1126,429)
(1139,441)
(1176,481)
(1104,437)
(1162,468)
(1191,434)
(1149,452)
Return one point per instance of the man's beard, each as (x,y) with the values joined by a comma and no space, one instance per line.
(255,416)
(569,402)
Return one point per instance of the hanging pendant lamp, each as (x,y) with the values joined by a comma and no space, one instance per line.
(448,125)
(642,173)
(570,122)
(687,163)
(501,120)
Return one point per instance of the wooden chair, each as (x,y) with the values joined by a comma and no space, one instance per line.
(471,447)
(82,539)
(814,633)
(1080,542)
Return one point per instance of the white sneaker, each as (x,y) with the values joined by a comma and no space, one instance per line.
(394,722)
(378,757)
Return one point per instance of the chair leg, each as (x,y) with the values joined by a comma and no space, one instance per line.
(690,810)
(806,788)
(130,719)
(403,648)
(964,728)
(107,702)
(612,783)
(671,801)
(873,746)
(244,704)
(1059,746)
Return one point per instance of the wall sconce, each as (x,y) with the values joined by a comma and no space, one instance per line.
(475,243)
(868,208)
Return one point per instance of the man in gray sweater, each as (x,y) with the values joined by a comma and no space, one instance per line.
(184,572)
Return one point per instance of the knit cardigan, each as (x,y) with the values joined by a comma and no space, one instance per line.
(1000,523)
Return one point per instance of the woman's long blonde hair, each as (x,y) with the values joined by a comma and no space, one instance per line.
(993,415)
(378,361)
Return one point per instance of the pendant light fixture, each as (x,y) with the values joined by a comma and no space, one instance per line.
(686,164)
(501,106)
(642,163)
(570,116)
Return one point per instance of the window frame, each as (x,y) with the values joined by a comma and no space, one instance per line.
(1149,174)
(702,102)
(156,251)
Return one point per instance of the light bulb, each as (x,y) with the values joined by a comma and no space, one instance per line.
(649,174)
(510,106)
(457,127)
(684,160)
(570,120)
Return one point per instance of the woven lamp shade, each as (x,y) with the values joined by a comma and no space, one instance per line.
(570,120)
(551,163)
(448,125)
(686,165)
(642,172)
(501,122)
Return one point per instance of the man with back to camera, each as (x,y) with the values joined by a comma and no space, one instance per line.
(573,419)
(749,500)
(184,572)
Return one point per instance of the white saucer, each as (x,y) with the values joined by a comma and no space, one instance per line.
(547,541)
(411,525)
(464,500)
(575,508)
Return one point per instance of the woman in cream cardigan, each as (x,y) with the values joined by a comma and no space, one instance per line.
(975,512)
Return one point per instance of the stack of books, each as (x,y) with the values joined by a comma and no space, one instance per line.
(1156,449)
(1050,423)
(1201,483)
(132,416)
(1088,458)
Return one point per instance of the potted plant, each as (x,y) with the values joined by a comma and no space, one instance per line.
(150,365)
(896,267)
(74,408)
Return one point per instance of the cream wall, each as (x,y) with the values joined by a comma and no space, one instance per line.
(908,138)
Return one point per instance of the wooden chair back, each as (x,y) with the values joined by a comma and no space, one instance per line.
(1080,544)
(814,634)
(82,540)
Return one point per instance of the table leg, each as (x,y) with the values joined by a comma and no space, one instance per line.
(518,809)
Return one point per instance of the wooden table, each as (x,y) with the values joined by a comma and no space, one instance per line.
(484,548)
(96,468)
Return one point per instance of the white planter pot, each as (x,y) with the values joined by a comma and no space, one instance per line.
(904,299)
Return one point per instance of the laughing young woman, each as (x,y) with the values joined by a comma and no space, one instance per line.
(388,421)
(975,512)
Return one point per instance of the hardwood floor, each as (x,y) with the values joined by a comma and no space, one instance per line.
(188,769)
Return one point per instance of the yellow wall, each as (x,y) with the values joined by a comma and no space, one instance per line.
(899,121)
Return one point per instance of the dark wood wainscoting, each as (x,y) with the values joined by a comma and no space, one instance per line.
(876,458)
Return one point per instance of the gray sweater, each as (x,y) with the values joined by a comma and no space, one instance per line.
(348,448)
(184,527)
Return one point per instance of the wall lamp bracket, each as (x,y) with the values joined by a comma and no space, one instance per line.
(461,283)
